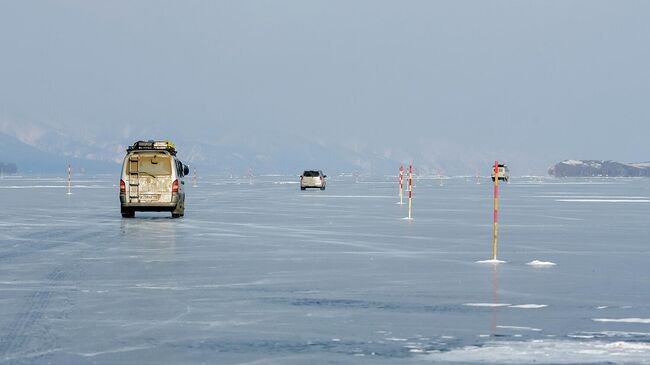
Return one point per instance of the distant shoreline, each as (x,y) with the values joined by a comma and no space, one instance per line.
(599,168)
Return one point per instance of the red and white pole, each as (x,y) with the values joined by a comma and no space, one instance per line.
(401,184)
(496,206)
(69,180)
(410,190)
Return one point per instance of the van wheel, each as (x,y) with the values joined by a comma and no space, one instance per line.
(323,188)
(126,213)
(301,188)
(179,211)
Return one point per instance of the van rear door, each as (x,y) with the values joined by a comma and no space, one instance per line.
(150,176)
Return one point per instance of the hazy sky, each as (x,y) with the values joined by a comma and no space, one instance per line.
(528,80)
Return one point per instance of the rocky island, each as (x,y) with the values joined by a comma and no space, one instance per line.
(589,168)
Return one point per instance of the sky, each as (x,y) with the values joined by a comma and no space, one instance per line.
(532,82)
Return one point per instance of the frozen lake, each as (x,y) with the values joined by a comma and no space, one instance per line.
(267,274)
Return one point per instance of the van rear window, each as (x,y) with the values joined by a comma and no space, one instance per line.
(311,174)
(156,165)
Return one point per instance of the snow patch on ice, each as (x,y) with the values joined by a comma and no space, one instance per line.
(570,196)
(491,262)
(520,306)
(113,351)
(54,187)
(538,263)
(487,304)
(529,306)
(548,351)
(519,328)
(349,196)
(604,200)
(623,320)
(613,334)
(582,336)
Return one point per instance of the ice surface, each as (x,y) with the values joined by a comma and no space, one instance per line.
(269,274)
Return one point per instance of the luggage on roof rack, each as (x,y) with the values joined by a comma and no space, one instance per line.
(153,145)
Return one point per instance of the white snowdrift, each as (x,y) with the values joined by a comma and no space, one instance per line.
(623,320)
(538,263)
(548,351)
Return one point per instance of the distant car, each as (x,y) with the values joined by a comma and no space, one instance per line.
(152,179)
(312,179)
(504,173)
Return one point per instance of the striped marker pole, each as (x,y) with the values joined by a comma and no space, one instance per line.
(69,180)
(496,206)
(401,184)
(410,190)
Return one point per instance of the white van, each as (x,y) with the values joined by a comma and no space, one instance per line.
(152,179)
(504,173)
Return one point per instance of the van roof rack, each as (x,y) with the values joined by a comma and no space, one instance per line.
(153,145)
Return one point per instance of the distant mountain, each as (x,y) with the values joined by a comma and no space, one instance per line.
(51,151)
(41,148)
(588,168)
(30,159)
(281,158)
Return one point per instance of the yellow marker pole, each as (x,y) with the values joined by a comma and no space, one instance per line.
(496,206)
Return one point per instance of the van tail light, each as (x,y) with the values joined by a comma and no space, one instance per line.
(175,186)
(321,178)
(300,177)
(122,186)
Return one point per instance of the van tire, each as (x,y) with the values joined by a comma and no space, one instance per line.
(302,188)
(179,211)
(127,213)
(323,188)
